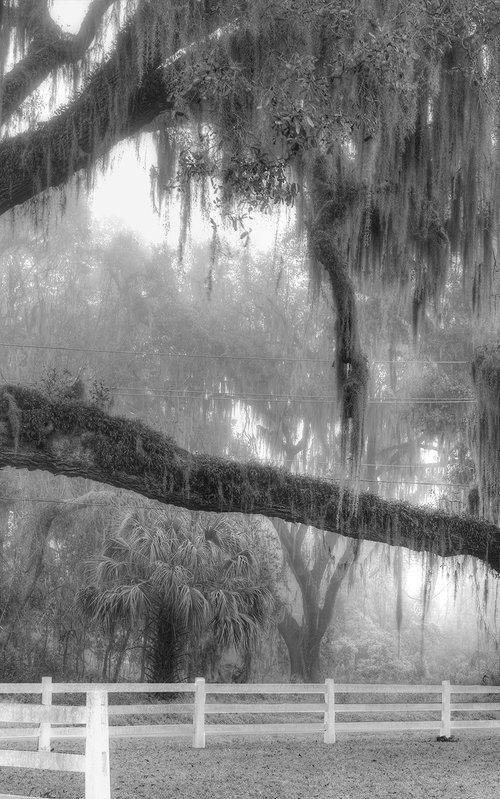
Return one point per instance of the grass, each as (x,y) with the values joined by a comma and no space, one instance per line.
(412,765)
(407,765)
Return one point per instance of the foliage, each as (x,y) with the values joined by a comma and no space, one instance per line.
(452,640)
(188,583)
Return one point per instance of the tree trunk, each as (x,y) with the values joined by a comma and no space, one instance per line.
(331,202)
(293,636)
(144,652)
(313,665)
(120,657)
(303,649)
(106,661)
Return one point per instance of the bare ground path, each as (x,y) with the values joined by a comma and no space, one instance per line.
(406,765)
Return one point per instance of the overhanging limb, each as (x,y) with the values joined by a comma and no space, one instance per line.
(79,440)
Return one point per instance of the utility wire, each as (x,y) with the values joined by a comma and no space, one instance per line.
(390,465)
(199,394)
(146,354)
(60,348)
(202,393)
(411,483)
(74,503)
(77,505)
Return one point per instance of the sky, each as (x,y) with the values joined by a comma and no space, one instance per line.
(122,195)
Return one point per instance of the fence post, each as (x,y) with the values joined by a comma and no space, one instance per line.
(446,709)
(329,736)
(199,714)
(44,732)
(97,779)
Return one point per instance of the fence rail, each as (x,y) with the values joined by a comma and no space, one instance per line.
(94,720)
(51,722)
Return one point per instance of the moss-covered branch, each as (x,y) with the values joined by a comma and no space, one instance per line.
(112,107)
(123,96)
(50,48)
(82,441)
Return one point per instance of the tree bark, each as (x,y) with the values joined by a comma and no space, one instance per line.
(80,440)
(331,204)
(293,636)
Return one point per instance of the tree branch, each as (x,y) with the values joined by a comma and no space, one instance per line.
(123,96)
(81,441)
(342,567)
(291,539)
(117,102)
(49,49)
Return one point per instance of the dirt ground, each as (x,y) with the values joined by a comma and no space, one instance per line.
(361,766)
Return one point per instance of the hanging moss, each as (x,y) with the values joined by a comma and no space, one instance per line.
(486,429)
(393,152)
(400,110)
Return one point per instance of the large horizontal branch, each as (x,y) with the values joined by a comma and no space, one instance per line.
(49,49)
(79,440)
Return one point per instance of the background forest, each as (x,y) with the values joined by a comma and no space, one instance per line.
(98,583)
(315,339)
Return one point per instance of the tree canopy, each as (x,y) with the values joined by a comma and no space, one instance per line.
(376,122)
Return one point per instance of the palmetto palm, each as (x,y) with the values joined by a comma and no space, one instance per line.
(184,580)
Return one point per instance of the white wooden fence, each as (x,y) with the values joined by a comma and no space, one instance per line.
(93,718)
(436,713)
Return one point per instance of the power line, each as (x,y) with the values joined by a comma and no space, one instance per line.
(393,465)
(419,360)
(73,503)
(203,393)
(146,354)
(315,399)
(416,483)
(208,356)
(199,393)
(422,400)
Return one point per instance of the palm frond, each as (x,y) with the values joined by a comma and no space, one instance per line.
(178,576)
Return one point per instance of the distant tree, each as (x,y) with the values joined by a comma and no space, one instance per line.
(319,575)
